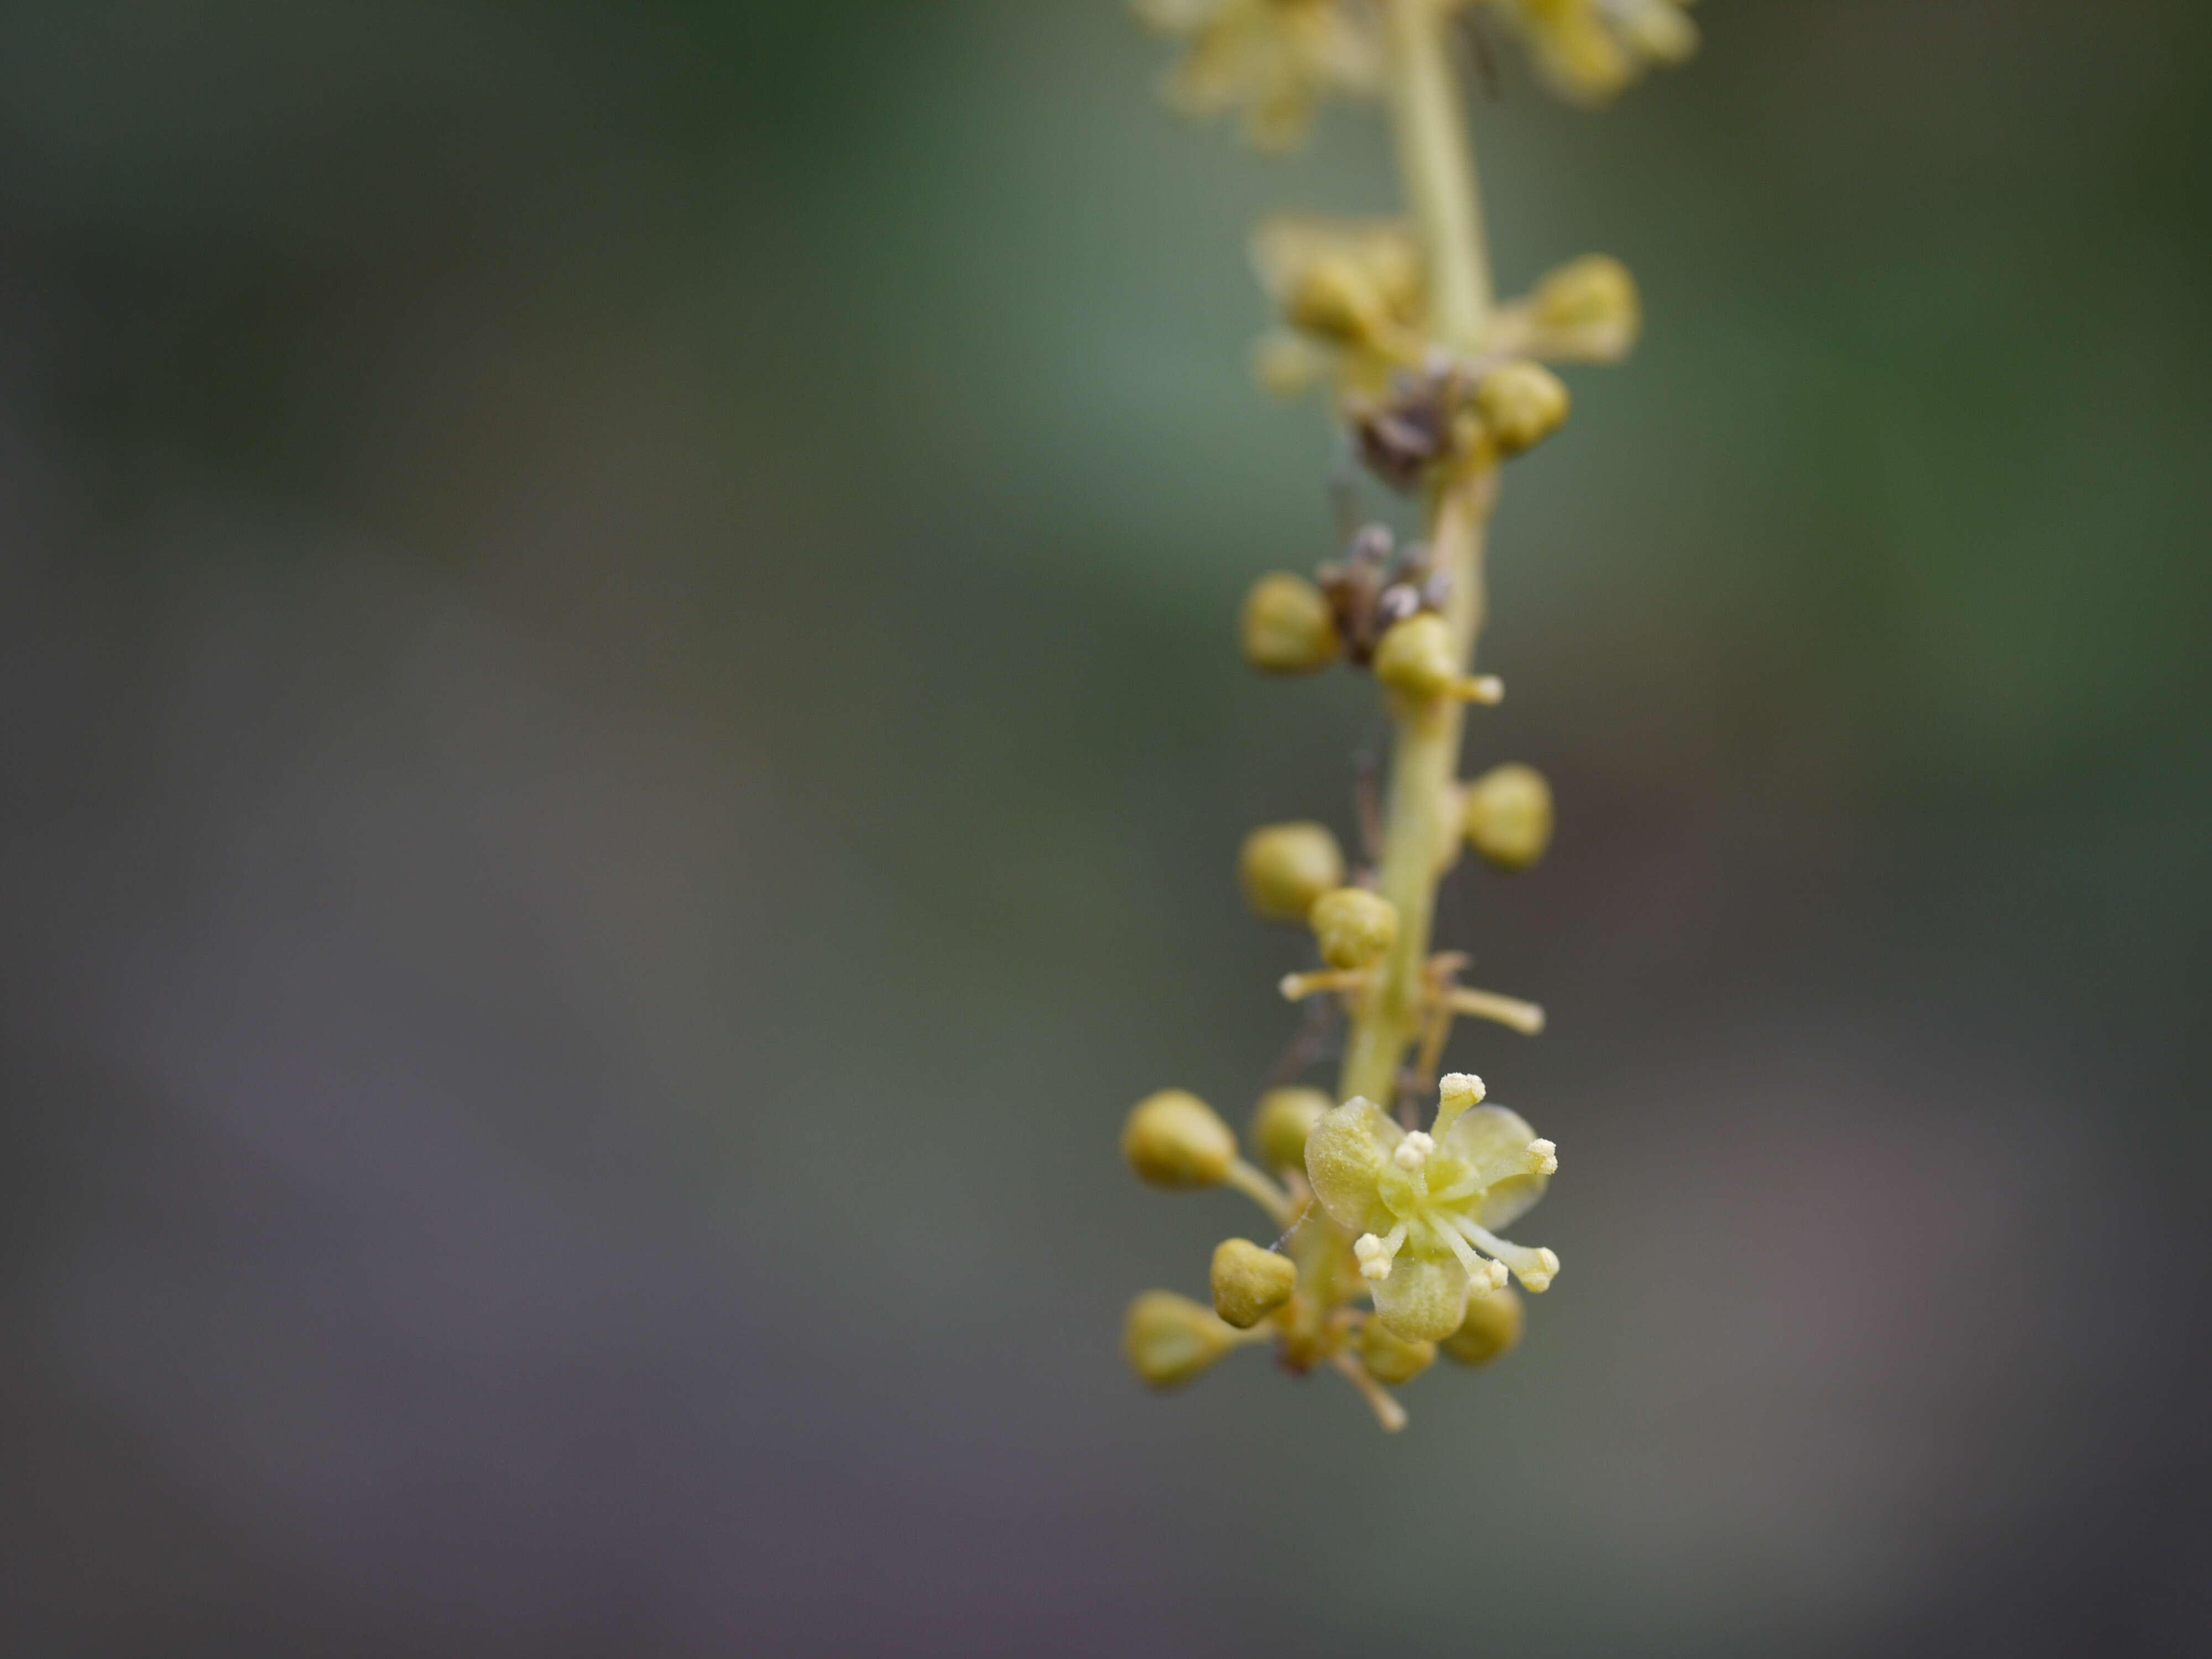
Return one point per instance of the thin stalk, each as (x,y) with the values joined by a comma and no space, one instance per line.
(1437,158)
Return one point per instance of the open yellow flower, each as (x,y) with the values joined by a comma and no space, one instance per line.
(1589,50)
(1274,59)
(1425,1205)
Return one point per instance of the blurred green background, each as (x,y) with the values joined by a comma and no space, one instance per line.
(620,748)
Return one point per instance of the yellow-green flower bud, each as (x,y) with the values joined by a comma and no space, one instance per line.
(1285,867)
(1587,310)
(1491,1329)
(1353,927)
(1173,1138)
(1332,299)
(1415,659)
(1286,626)
(1168,1340)
(1508,816)
(1284,1119)
(1522,403)
(1390,1357)
(1250,1283)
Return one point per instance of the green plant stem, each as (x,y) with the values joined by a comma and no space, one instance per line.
(1437,158)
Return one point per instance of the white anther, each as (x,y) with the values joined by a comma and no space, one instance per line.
(1546,1157)
(1375,1254)
(1547,1266)
(1413,1151)
(1456,1093)
(1498,1277)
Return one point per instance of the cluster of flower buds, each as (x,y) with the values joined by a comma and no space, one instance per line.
(1276,60)
(1372,610)
(1353,310)
(1293,625)
(1362,1212)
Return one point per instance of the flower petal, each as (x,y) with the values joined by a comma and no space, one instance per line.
(1345,1155)
(1491,1135)
(1423,1301)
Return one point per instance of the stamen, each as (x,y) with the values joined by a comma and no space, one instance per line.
(1456,1092)
(1435,1031)
(1486,689)
(1297,988)
(1375,1254)
(1546,1157)
(1535,1269)
(1484,1276)
(1526,1017)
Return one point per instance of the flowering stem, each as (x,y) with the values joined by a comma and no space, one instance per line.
(1437,159)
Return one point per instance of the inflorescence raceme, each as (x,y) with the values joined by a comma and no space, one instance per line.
(1384,1248)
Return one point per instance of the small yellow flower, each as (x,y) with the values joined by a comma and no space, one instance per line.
(1352,296)
(1423,1205)
(1590,50)
(1273,59)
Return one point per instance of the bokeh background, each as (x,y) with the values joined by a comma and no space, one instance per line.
(620,748)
